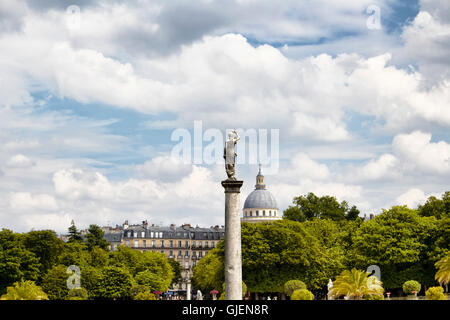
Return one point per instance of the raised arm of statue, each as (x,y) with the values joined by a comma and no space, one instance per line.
(237,136)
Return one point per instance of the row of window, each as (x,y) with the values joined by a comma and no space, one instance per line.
(153,234)
(186,254)
(262,213)
(170,243)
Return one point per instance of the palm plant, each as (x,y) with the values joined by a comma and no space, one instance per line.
(443,273)
(356,284)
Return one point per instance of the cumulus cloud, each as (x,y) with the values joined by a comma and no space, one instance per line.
(19,161)
(40,202)
(427,41)
(164,168)
(218,62)
(382,167)
(419,153)
(218,76)
(412,198)
(301,167)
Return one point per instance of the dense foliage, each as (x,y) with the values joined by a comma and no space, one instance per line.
(356,284)
(302,294)
(24,290)
(435,293)
(38,261)
(292,285)
(319,238)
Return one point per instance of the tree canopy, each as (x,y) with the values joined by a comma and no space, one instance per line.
(41,257)
(325,207)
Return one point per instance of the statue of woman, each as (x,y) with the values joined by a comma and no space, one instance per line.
(229,154)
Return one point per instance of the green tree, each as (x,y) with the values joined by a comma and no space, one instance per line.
(176,268)
(356,284)
(325,207)
(75,253)
(95,238)
(209,272)
(292,285)
(439,208)
(24,290)
(54,283)
(114,283)
(138,288)
(128,258)
(90,280)
(152,281)
(146,295)
(294,213)
(99,257)
(74,234)
(302,294)
(157,263)
(16,262)
(397,240)
(352,214)
(46,245)
(273,253)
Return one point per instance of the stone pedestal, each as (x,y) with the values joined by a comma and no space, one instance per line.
(233,257)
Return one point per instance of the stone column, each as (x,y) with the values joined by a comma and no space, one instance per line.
(188,290)
(233,258)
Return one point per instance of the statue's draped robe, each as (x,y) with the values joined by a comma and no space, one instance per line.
(230,157)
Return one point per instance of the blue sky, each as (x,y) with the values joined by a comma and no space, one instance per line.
(88,104)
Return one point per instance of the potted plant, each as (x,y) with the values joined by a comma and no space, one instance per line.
(214,293)
(411,288)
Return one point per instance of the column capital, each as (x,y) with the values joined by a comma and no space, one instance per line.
(232,186)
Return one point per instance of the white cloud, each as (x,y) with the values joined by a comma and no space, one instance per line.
(427,42)
(419,153)
(301,167)
(19,161)
(383,167)
(164,168)
(24,201)
(150,59)
(412,198)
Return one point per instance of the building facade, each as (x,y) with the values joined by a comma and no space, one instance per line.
(185,244)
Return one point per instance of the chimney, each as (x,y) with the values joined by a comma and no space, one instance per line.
(125,225)
(172,226)
(145,224)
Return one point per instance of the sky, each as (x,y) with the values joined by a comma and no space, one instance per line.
(92,93)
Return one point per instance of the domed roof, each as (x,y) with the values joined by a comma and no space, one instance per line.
(260,199)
